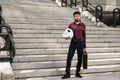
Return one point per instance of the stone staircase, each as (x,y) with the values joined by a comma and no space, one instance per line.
(40,49)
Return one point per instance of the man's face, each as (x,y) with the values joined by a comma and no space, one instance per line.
(76,17)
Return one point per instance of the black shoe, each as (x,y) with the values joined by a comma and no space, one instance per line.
(66,76)
(78,75)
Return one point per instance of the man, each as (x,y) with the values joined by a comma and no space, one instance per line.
(78,42)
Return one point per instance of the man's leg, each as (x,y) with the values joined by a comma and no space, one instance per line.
(69,59)
(79,54)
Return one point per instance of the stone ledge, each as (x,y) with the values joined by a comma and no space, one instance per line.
(6,72)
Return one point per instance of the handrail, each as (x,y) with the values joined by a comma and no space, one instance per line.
(9,45)
(8,37)
(101,15)
(0,8)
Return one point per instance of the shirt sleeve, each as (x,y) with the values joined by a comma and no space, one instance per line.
(84,35)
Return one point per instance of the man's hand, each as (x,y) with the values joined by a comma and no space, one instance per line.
(67,38)
(84,50)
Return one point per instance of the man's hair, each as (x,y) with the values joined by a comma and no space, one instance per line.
(76,12)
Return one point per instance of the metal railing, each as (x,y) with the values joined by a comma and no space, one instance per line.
(107,17)
(7,34)
(69,3)
(116,17)
(63,3)
(98,13)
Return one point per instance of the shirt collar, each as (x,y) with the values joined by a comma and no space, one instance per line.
(78,24)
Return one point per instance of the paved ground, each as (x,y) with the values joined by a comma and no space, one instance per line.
(97,76)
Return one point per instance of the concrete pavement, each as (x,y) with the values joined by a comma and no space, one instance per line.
(96,76)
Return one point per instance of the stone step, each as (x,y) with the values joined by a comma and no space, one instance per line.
(40,27)
(55,31)
(59,31)
(64,51)
(100,76)
(67,19)
(89,27)
(26,1)
(59,64)
(35,40)
(37,22)
(54,27)
(59,45)
(36,35)
(95,40)
(96,45)
(60,71)
(39,14)
(19,13)
(38,45)
(55,19)
(60,36)
(40,51)
(34,26)
(58,23)
(41,40)
(61,57)
(60,18)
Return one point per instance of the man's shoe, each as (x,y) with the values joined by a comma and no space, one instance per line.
(66,76)
(78,75)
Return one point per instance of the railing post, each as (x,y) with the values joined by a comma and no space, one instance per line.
(116,16)
(0,17)
(98,13)
(64,2)
(75,3)
(84,4)
(71,2)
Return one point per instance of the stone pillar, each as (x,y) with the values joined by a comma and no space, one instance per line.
(6,72)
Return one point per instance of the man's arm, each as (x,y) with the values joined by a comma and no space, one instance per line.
(84,36)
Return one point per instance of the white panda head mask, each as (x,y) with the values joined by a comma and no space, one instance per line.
(68,33)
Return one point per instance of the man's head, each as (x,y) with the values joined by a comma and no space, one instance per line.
(76,16)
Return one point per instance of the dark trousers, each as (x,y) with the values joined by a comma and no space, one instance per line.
(75,45)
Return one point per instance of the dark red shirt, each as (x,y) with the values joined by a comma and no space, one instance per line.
(79,32)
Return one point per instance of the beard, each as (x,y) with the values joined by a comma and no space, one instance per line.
(77,20)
